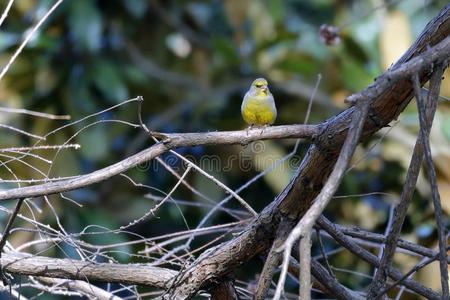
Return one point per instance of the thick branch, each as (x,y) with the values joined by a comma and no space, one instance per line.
(171,141)
(141,274)
(224,291)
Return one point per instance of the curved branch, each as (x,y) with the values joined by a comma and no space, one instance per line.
(171,141)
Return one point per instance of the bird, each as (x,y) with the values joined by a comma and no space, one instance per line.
(258,106)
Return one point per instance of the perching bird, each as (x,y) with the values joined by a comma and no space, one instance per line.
(258,107)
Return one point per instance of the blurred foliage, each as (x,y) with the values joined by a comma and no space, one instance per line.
(192,61)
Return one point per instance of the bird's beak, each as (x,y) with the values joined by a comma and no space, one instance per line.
(264,90)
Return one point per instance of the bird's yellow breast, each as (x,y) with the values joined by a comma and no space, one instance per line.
(258,110)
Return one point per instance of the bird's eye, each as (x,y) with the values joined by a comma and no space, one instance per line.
(258,85)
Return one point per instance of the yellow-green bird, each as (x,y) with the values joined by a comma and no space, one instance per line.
(258,107)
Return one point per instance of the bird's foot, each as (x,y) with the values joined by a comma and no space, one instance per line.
(249,128)
(263,127)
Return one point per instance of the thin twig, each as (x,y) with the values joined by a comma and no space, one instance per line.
(237,213)
(28,38)
(87,289)
(8,226)
(386,231)
(425,126)
(322,251)
(6,233)
(22,132)
(25,154)
(42,147)
(219,183)
(367,256)
(311,99)
(362,234)
(416,268)
(34,113)
(6,11)
(152,211)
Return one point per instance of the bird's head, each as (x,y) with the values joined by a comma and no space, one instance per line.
(260,87)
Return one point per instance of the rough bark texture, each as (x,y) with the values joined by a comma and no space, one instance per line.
(75,269)
(224,291)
